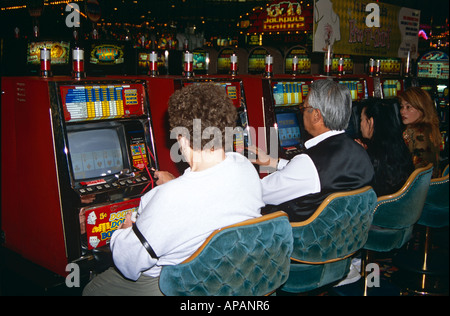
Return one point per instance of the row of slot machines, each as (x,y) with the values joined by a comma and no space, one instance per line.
(105,57)
(78,155)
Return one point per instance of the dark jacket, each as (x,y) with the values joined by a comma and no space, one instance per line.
(342,165)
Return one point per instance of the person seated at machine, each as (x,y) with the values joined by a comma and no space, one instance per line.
(332,161)
(421,134)
(219,189)
(382,137)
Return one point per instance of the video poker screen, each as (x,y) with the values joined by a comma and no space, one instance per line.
(95,153)
(288,129)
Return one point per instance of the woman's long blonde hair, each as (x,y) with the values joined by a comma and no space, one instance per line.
(421,101)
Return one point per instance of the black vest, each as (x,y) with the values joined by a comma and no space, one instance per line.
(342,165)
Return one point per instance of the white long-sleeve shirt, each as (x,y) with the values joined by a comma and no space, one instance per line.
(178,216)
(294,178)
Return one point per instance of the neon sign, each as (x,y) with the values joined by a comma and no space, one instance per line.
(284,16)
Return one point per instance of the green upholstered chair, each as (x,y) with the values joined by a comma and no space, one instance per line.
(446,171)
(395,215)
(426,263)
(324,244)
(435,211)
(246,259)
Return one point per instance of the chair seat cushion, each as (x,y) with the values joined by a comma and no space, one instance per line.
(307,277)
(386,239)
(435,211)
(434,216)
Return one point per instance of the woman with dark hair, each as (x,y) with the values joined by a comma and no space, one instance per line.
(382,137)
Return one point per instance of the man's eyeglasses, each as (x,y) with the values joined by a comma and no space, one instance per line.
(303,108)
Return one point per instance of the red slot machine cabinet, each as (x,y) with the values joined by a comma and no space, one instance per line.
(283,121)
(235,90)
(244,91)
(159,90)
(74,159)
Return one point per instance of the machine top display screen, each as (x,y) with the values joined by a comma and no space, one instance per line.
(358,88)
(100,101)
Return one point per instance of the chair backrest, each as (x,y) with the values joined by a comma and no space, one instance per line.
(445,172)
(246,259)
(402,209)
(436,209)
(337,229)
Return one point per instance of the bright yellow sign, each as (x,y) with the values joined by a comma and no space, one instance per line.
(365,28)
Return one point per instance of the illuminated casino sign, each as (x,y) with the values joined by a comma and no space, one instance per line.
(284,16)
(107,54)
(280,16)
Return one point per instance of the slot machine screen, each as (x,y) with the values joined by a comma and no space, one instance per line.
(60,56)
(104,58)
(288,129)
(289,93)
(391,88)
(442,90)
(60,52)
(143,60)
(200,61)
(358,89)
(256,61)
(434,64)
(223,61)
(304,61)
(96,153)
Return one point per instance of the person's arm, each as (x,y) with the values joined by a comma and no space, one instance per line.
(163,177)
(262,158)
(129,255)
(297,178)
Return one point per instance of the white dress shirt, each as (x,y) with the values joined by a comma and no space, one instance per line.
(294,178)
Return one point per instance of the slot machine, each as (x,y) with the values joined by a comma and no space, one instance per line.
(21,57)
(392,84)
(60,56)
(299,56)
(160,90)
(205,60)
(142,57)
(432,76)
(76,157)
(223,60)
(360,91)
(283,95)
(235,91)
(257,60)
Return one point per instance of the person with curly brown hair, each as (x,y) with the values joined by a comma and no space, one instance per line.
(422,134)
(219,189)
